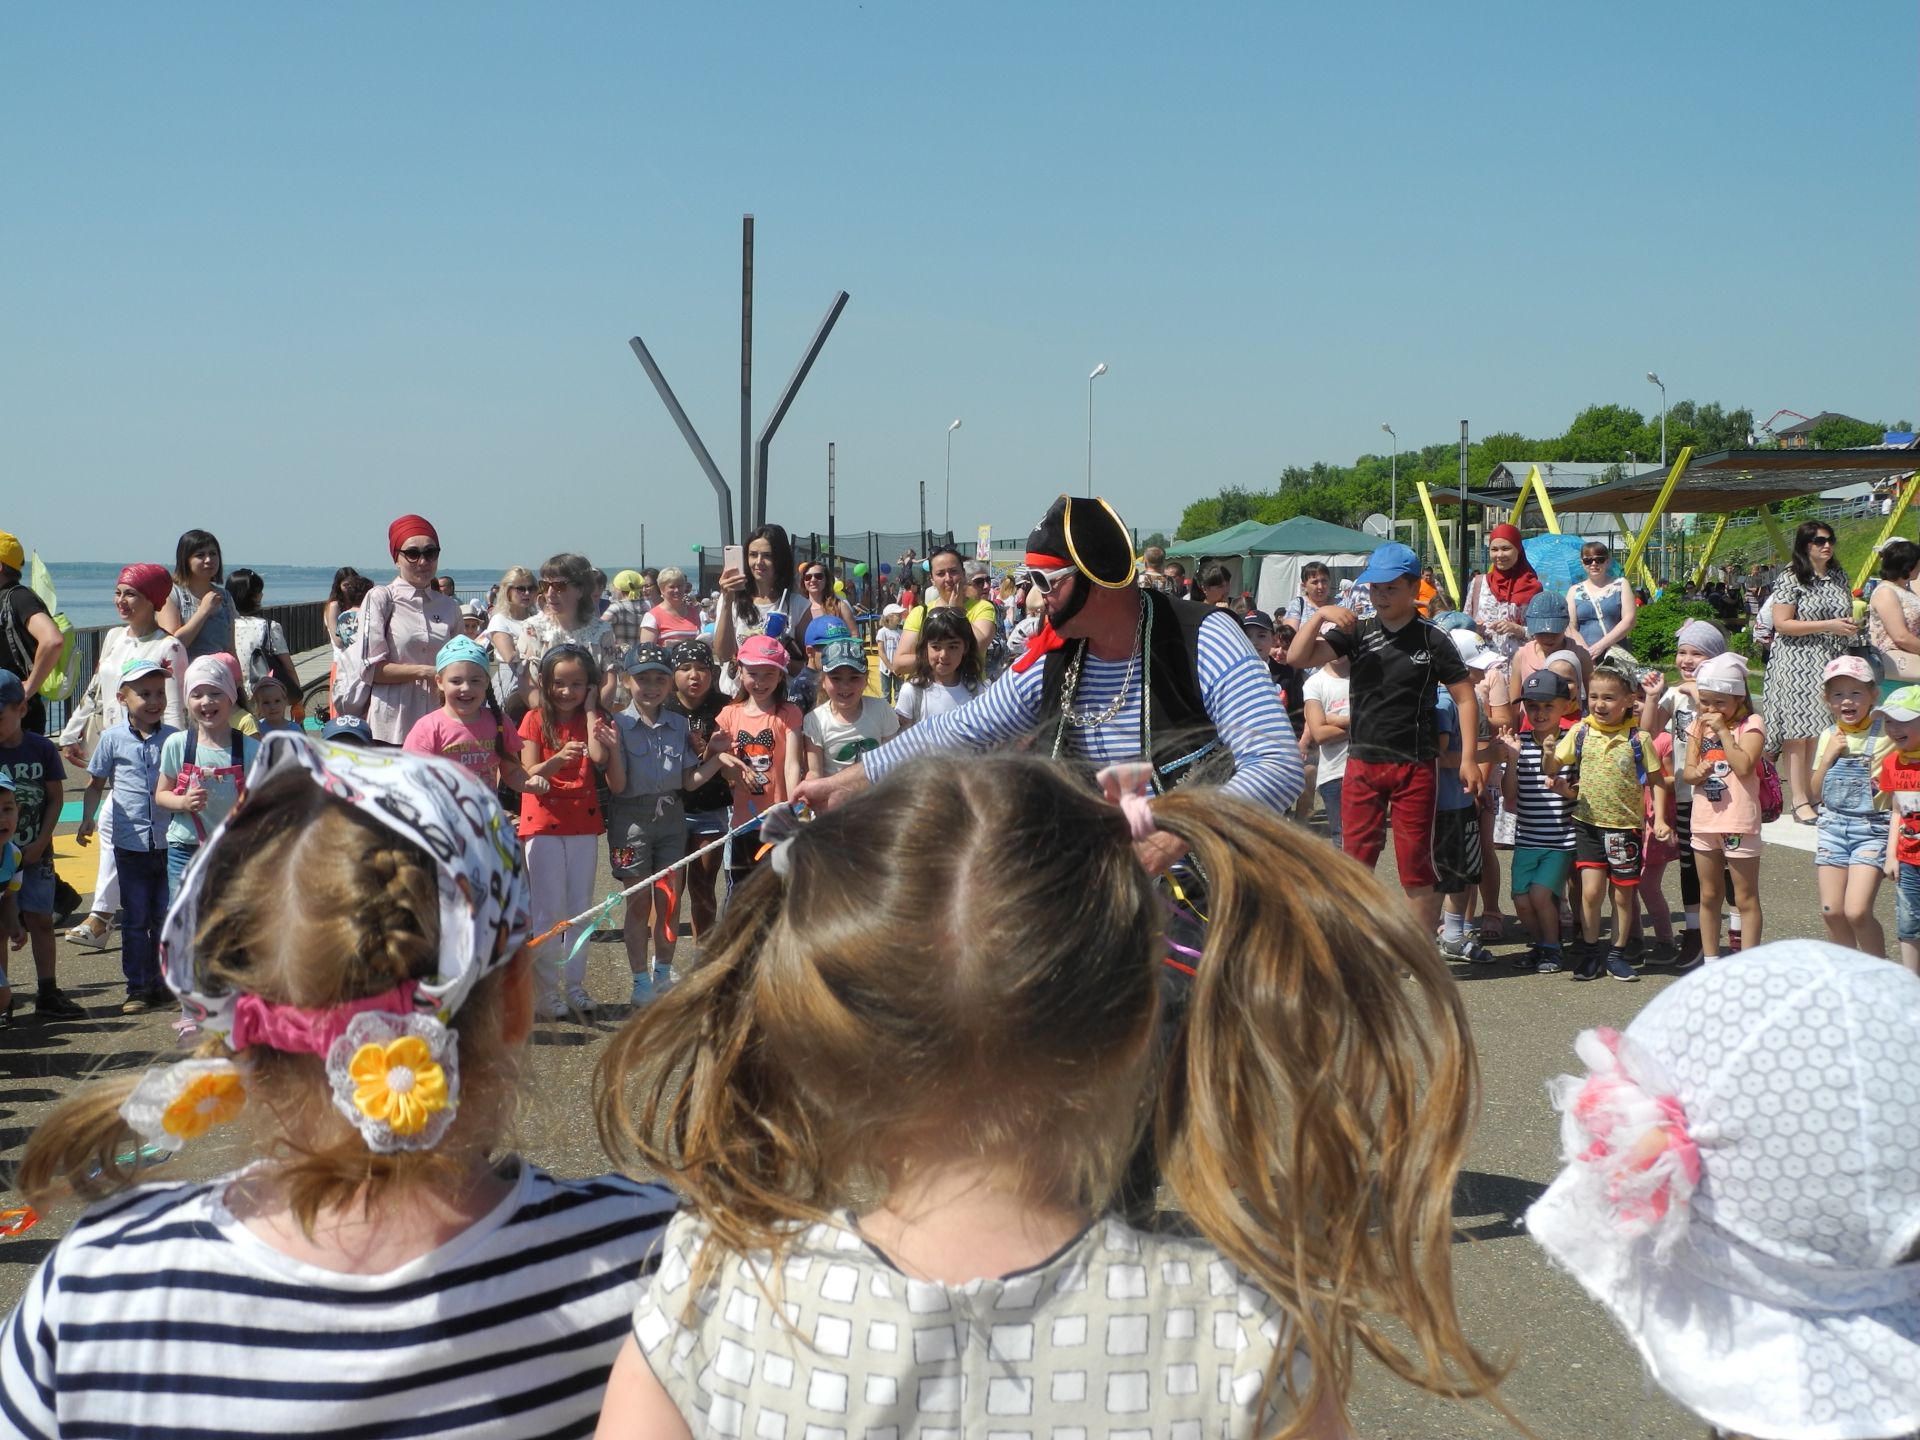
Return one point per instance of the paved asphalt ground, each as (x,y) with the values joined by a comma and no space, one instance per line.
(1574,1376)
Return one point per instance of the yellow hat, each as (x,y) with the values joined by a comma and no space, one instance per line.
(629,583)
(11,554)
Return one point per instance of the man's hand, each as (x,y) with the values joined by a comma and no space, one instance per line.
(830,791)
(1159,852)
(75,756)
(84,834)
(1472,779)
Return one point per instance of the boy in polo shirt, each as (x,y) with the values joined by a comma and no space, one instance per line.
(1397,660)
(127,759)
(1612,774)
(32,762)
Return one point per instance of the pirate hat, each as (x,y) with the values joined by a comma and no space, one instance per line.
(1087,535)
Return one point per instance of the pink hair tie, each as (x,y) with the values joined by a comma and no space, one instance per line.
(292,1030)
(1129,787)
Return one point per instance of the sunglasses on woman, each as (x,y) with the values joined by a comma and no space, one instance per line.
(1821,540)
(420,553)
(1594,559)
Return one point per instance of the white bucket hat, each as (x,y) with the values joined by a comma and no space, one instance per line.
(1742,1191)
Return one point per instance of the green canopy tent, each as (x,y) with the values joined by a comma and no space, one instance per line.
(1282,549)
(1219,545)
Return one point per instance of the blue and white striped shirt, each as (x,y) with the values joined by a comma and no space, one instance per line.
(1235,687)
(160,1313)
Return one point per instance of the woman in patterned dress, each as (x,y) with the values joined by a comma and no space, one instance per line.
(1497,600)
(1813,623)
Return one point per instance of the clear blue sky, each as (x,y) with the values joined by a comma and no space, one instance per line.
(286,271)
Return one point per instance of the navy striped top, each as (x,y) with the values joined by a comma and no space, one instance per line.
(160,1314)
(1234,686)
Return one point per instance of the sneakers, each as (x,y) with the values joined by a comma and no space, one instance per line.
(1592,963)
(1619,967)
(1530,958)
(1547,962)
(136,1003)
(53,1002)
(1688,955)
(1661,952)
(94,932)
(581,1003)
(642,990)
(549,1008)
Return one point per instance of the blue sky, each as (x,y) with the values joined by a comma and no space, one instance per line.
(286,271)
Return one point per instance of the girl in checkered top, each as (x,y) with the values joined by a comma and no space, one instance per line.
(898,1164)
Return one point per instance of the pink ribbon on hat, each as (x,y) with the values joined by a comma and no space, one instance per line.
(1130,787)
(1637,1145)
(293,1030)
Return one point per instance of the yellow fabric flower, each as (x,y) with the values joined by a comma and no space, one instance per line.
(204,1102)
(398,1083)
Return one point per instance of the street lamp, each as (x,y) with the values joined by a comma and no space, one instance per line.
(950,429)
(1098,371)
(1653,379)
(1393,495)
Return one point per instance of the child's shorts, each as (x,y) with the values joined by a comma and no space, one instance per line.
(1537,865)
(1846,840)
(1906,903)
(1734,847)
(1615,851)
(645,835)
(1456,849)
(36,886)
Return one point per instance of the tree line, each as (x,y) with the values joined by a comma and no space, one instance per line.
(1599,434)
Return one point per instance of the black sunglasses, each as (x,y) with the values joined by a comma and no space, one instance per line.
(423,552)
(1821,540)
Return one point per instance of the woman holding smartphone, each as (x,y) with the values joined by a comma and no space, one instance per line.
(757,586)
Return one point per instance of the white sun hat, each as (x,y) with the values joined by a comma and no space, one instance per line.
(1742,1191)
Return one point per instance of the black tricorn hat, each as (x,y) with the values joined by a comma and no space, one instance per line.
(1087,535)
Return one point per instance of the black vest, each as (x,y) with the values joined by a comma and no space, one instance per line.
(1181,739)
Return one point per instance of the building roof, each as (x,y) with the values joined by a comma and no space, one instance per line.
(1559,474)
(1805,426)
(1735,479)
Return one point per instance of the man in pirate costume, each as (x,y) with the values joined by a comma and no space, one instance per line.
(1117,673)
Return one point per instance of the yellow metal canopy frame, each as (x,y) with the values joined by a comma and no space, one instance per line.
(1716,484)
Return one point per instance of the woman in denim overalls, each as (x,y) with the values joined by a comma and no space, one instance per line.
(1851,842)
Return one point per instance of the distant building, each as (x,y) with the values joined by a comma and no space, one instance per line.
(1559,474)
(1800,437)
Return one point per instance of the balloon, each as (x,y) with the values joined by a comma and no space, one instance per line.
(696,549)
(926,567)
(840,588)
(886,568)
(860,571)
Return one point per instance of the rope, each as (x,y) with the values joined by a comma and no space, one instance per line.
(605,907)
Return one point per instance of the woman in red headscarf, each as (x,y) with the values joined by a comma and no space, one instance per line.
(1497,600)
(403,624)
(138,595)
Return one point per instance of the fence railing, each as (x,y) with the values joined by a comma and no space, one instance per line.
(304,625)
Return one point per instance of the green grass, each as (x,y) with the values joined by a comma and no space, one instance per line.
(1854,537)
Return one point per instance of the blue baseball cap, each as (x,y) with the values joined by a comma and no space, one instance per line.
(823,628)
(1390,562)
(1547,614)
(844,653)
(12,692)
(350,728)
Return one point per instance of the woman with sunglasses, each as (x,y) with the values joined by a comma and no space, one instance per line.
(816,583)
(1600,609)
(1812,624)
(405,622)
(506,635)
(568,615)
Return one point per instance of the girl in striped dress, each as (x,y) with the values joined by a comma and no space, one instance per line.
(383,1263)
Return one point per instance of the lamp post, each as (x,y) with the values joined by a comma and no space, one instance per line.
(1653,379)
(950,429)
(1393,494)
(1098,371)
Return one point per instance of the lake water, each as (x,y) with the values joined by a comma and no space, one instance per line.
(86,586)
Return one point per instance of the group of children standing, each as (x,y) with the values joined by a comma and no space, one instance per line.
(1608,776)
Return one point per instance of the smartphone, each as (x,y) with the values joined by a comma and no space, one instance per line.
(734,558)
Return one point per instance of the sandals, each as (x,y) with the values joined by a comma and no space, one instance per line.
(1807,805)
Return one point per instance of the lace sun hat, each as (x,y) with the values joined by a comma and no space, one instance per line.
(1742,1191)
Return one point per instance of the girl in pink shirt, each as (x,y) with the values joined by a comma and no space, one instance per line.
(466,728)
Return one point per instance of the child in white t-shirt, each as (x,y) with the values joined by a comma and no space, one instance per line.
(947,672)
(887,637)
(848,722)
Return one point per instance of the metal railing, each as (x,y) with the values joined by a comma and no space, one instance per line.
(303,624)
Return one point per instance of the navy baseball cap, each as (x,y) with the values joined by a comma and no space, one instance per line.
(823,628)
(1547,614)
(1390,562)
(12,692)
(647,659)
(1256,620)
(350,728)
(1546,683)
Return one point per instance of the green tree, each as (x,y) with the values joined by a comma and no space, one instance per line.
(1156,538)
(1843,432)
(1607,432)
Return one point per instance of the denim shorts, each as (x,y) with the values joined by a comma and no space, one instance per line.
(36,886)
(1845,840)
(1906,902)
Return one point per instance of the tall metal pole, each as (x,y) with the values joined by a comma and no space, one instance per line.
(691,436)
(1666,570)
(1460,538)
(643,544)
(748,520)
(925,544)
(786,403)
(1393,492)
(949,497)
(830,499)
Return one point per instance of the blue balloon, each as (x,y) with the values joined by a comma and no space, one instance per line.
(886,569)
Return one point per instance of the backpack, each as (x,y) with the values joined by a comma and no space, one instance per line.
(64,678)
(256,650)
(1639,757)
